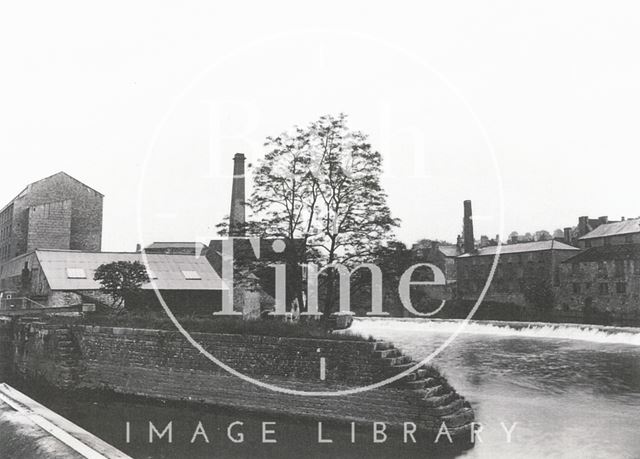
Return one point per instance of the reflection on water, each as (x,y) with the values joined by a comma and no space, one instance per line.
(571,393)
(570,397)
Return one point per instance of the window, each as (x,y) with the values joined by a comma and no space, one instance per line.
(76,273)
(621,287)
(191,275)
(603,288)
(602,269)
(619,265)
(576,288)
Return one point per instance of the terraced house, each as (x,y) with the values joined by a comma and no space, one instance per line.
(602,282)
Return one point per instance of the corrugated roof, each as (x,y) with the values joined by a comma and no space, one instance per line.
(607,252)
(613,229)
(167,268)
(521,248)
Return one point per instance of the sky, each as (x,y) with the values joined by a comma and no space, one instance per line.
(529,109)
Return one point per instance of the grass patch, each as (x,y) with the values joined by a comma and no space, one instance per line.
(229,325)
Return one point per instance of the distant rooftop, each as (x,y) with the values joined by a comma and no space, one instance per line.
(521,248)
(449,250)
(176,245)
(607,252)
(614,229)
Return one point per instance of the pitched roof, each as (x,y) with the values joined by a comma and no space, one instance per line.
(449,250)
(176,245)
(521,248)
(607,252)
(169,270)
(26,188)
(613,229)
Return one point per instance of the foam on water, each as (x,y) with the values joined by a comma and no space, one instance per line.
(593,333)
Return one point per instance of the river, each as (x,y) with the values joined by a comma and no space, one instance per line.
(571,392)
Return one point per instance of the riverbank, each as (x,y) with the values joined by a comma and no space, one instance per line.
(162,365)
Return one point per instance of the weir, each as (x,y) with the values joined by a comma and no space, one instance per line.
(581,332)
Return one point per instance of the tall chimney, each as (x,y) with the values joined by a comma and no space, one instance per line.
(467,230)
(237,214)
(567,235)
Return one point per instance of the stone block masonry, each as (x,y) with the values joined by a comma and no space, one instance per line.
(163,365)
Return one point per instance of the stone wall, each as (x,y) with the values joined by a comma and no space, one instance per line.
(606,290)
(49,226)
(46,353)
(163,365)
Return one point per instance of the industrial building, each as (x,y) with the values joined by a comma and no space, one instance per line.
(58,212)
(602,282)
(62,278)
(524,270)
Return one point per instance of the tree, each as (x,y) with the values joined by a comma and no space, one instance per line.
(543,235)
(558,234)
(121,280)
(320,187)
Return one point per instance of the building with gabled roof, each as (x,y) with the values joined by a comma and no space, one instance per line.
(602,282)
(57,212)
(57,278)
(622,232)
(523,270)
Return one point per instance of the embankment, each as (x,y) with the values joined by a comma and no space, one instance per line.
(163,365)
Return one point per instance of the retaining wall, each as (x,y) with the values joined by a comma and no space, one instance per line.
(163,365)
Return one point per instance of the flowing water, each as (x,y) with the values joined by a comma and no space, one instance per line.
(574,391)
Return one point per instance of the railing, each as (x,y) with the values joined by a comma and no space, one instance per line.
(19,304)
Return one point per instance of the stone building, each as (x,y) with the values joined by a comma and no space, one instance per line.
(524,267)
(57,212)
(602,282)
(614,233)
(440,254)
(62,278)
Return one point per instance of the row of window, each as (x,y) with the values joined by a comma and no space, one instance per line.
(620,267)
(628,239)
(603,287)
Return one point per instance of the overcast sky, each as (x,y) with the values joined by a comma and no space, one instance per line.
(168,92)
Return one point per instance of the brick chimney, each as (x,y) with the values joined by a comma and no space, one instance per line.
(237,214)
(467,228)
(583,226)
(603,220)
(567,235)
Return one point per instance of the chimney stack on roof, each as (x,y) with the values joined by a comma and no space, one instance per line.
(567,235)
(237,218)
(467,231)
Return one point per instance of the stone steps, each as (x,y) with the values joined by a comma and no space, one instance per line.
(383,346)
(440,400)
